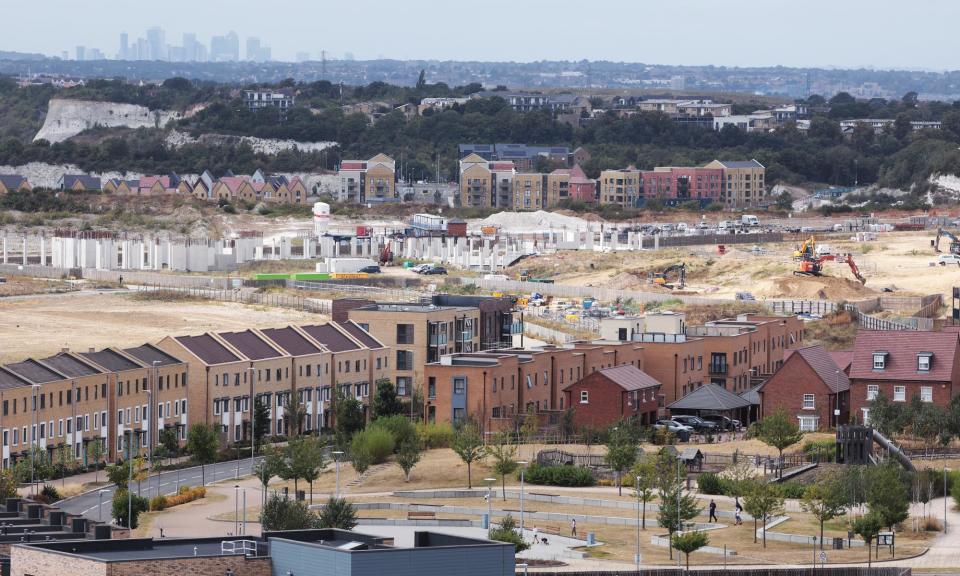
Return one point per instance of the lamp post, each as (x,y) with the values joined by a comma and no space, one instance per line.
(489,482)
(336,458)
(522,464)
(945,499)
(253,414)
(151,439)
(243,528)
(149,433)
(636,487)
(130,484)
(236,509)
(34,441)
(100,504)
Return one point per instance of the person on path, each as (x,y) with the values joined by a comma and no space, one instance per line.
(536,535)
(573,527)
(713,511)
(739,508)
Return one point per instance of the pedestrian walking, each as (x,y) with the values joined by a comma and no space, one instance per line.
(713,511)
(573,527)
(739,508)
(536,535)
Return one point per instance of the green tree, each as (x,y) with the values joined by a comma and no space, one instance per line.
(385,401)
(468,445)
(504,454)
(507,532)
(422,80)
(867,527)
(348,418)
(360,457)
(762,500)
(887,495)
(293,414)
(281,513)
(121,500)
(272,464)
(676,507)
(530,427)
(785,200)
(95,455)
(885,416)
(119,474)
(305,457)
(261,424)
(825,500)
(409,455)
(779,431)
(202,443)
(621,453)
(644,474)
(170,441)
(338,513)
(689,543)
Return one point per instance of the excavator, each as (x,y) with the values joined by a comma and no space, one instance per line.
(663,278)
(386,255)
(814,266)
(807,250)
(954,241)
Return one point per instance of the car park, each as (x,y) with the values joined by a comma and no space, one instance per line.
(435,270)
(722,422)
(682,431)
(695,423)
(419,268)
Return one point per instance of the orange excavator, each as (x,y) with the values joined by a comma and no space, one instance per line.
(814,266)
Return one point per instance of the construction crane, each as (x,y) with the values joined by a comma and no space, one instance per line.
(814,266)
(807,250)
(386,255)
(954,241)
(663,278)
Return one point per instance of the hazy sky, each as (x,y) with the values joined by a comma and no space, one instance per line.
(842,33)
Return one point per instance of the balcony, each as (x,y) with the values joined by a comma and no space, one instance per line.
(438,339)
(512,328)
(718,368)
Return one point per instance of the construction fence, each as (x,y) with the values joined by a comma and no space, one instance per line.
(827,570)
(242,296)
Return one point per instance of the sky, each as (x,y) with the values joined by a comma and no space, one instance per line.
(883,34)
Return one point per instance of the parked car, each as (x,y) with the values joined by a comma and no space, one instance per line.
(722,422)
(945,259)
(370,269)
(419,268)
(695,423)
(681,431)
(435,270)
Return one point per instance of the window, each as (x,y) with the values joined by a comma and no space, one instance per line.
(872,391)
(808,402)
(584,397)
(899,393)
(926,393)
(923,362)
(403,385)
(529,381)
(458,414)
(404,360)
(879,360)
(404,333)
(459,385)
(432,387)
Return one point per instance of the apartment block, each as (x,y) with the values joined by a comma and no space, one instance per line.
(372,180)
(501,174)
(529,191)
(730,353)
(744,184)
(498,387)
(568,184)
(621,187)
(476,182)
(681,184)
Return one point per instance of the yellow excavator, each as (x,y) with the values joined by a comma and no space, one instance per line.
(807,250)
(677,273)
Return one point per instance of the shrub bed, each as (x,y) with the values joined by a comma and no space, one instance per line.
(186,494)
(559,475)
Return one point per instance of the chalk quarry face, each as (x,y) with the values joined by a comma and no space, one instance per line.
(67,118)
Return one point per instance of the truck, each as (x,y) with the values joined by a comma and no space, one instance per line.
(749,221)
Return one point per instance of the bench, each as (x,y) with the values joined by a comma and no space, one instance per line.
(418,515)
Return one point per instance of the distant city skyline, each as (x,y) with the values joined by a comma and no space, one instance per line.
(744,33)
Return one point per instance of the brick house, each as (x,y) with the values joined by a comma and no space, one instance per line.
(811,387)
(901,365)
(603,397)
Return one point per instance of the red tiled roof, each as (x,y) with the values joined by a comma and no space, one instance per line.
(843,358)
(233,182)
(902,349)
(825,366)
(352,165)
(628,377)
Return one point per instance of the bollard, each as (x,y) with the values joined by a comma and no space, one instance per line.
(591,539)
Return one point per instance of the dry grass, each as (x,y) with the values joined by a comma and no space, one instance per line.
(165,296)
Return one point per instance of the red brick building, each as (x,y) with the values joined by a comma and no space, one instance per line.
(901,365)
(623,392)
(811,387)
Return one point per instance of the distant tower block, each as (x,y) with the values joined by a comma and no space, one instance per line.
(321,218)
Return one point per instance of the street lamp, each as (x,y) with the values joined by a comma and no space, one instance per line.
(945,469)
(489,482)
(336,458)
(149,433)
(636,487)
(100,504)
(151,439)
(253,414)
(236,509)
(522,464)
(34,441)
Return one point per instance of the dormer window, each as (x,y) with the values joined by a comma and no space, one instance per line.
(879,360)
(923,361)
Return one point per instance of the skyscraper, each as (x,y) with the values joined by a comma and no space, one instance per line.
(225,48)
(157,42)
(190,46)
(81,53)
(124,53)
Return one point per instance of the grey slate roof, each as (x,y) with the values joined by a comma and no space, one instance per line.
(741,163)
(148,354)
(710,397)
(12,181)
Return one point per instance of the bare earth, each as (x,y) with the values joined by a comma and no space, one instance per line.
(43,325)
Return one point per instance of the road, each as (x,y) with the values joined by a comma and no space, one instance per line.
(96,506)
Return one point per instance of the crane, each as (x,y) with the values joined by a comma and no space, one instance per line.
(663,278)
(807,250)
(814,266)
(954,241)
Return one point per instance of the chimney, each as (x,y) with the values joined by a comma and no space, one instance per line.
(91,349)
(64,350)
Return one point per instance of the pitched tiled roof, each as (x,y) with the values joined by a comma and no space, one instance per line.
(329,336)
(902,349)
(710,397)
(291,341)
(10,380)
(752,395)
(148,354)
(823,364)
(34,371)
(207,349)
(12,181)
(67,364)
(88,182)
(361,335)
(111,360)
(628,377)
(250,345)
(843,358)
(740,164)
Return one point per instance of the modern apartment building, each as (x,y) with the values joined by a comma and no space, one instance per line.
(476,182)
(529,191)
(621,187)
(523,156)
(499,386)
(282,99)
(744,184)
(372,180)
(568,184)
(502,174)
(676,184)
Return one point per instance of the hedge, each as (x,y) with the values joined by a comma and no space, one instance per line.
(559,475)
